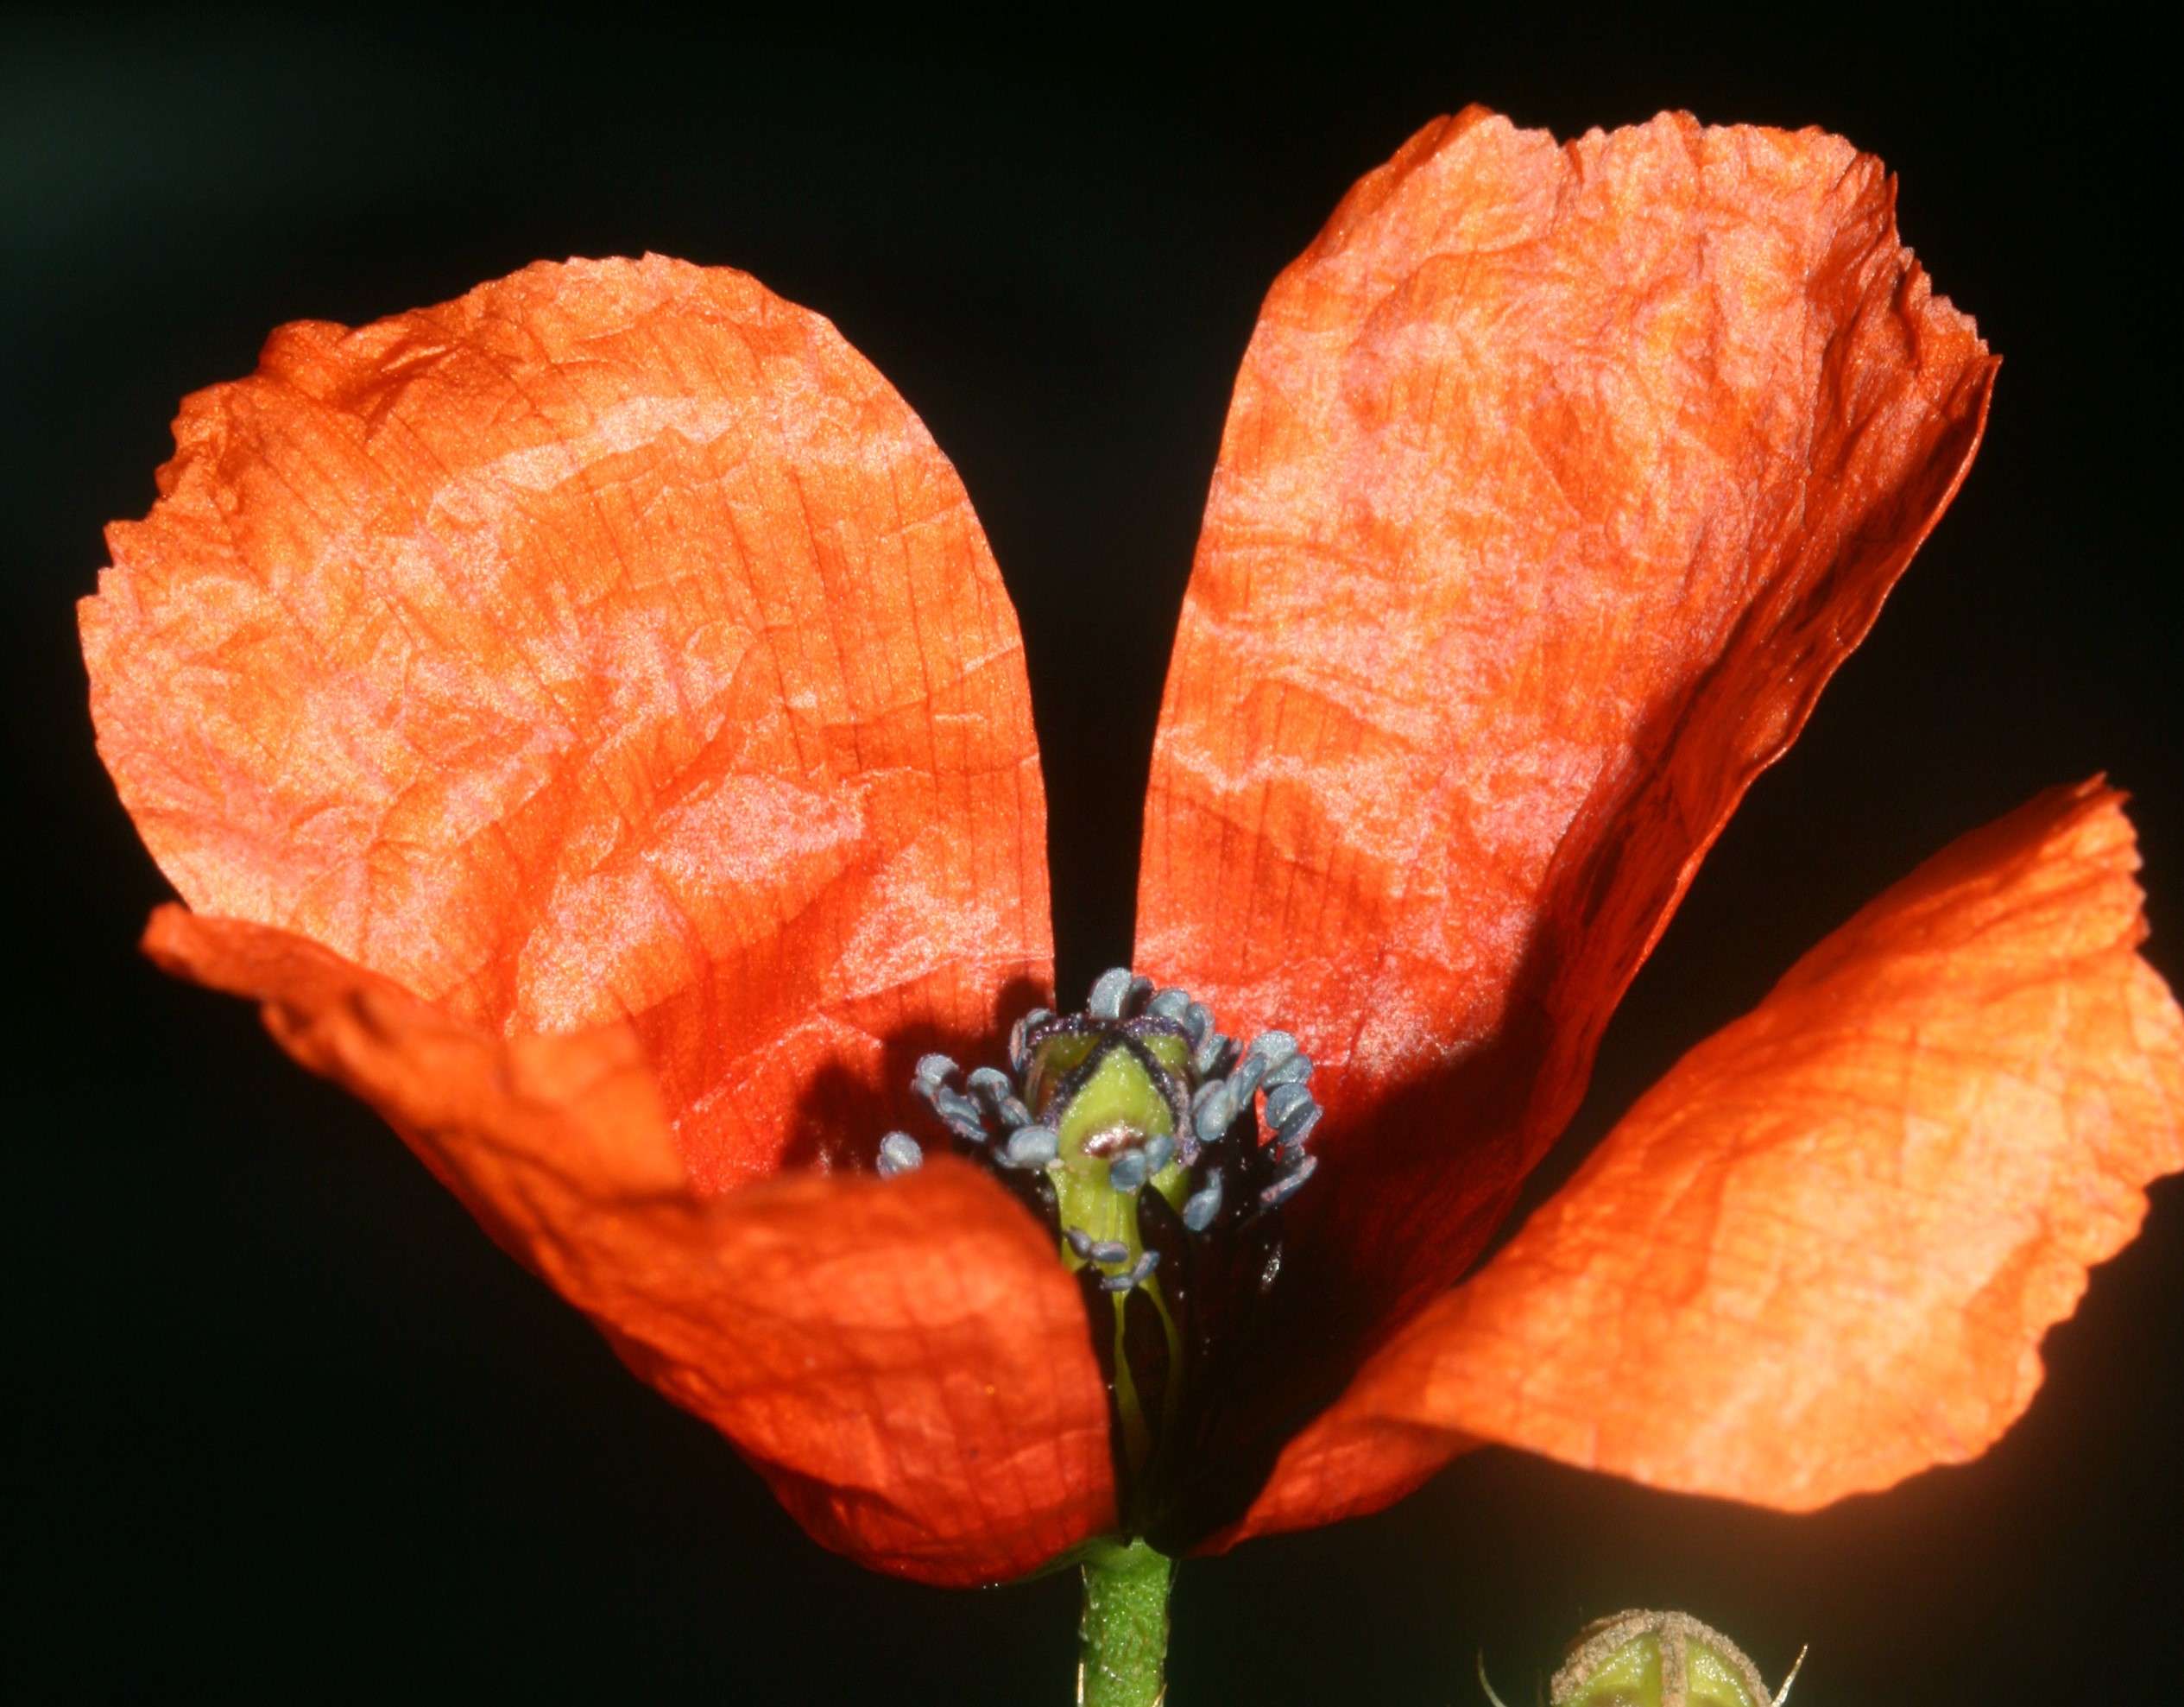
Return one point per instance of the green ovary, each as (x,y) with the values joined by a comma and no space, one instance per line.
(1119,1096)
(1119,1093)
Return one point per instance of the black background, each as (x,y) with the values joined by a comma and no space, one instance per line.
(288,1425)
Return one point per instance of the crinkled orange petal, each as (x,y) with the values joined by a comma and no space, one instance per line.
(903,1360)
(1557,483)
(1819,1257)
(612,643)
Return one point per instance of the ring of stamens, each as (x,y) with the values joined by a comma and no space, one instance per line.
(1140,1134)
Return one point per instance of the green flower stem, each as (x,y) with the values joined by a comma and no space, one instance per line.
(1123,1636)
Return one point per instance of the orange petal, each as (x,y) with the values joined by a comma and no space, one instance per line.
(1820,1255)
(903,1361)
(611,643)
(1557,483)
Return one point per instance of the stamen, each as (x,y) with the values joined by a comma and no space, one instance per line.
(1106,1251)
(1030,1146)
(962,1115)
(1212,1110)
(1126,1172)
(1243,1084)
(933,1069)
(1286,1187)
(1295,1070)
(1198,1213)
(1137,1274)
(1283,1099)
(899,1154)
(1109,991)
(1170,1004)
(997,1091)
(1292,1133)
(1019,1053)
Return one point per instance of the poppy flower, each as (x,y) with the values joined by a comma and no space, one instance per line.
(588,718)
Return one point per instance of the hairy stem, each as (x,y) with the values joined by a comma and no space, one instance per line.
(1123,1636)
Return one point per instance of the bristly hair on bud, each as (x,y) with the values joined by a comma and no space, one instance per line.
(1159,1153)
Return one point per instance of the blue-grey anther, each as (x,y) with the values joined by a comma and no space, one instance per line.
(1292,1133)
(1286,1187)
(1206,1061)
(1140,1272)
(899,1154)
(932,1069)
(1109,991)
(953,1104)
(1140,993)
(1282,1100)
(1272,1047)
(994,1088)
(1295,1070)
(991,1084)
(1200,1208)
(1126,1171)
(1212,1110)
(962,1115)
(1244,1081)
(1160,1151)
(1169,1004)
(1197,1022)
(1031,1146)
(1020,1056)
(1107,1252)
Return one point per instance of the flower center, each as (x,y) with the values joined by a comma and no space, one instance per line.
(1159,1152)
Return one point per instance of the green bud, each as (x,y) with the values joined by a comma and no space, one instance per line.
(1657,1659)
